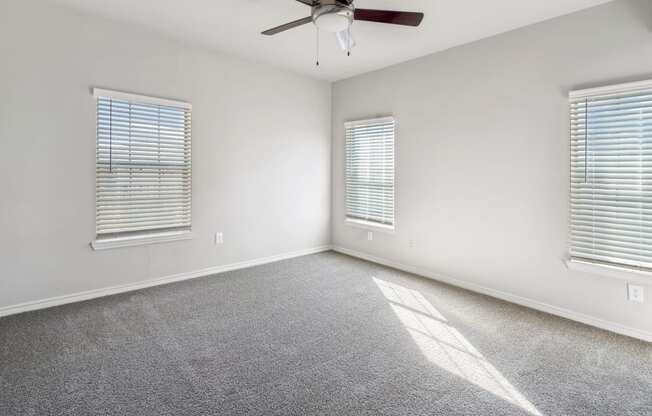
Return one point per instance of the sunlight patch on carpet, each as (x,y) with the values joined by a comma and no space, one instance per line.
(446,347)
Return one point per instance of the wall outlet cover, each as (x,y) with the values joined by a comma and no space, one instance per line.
(635,293)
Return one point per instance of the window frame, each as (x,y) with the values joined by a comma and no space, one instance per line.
(360,223)
(142,237)
(622,271)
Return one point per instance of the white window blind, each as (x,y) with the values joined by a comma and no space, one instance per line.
(370,171)
(143,164)
(611,175)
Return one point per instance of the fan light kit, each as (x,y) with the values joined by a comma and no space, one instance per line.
(333,18)
(337,16)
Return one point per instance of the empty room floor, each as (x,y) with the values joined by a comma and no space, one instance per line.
(322,334)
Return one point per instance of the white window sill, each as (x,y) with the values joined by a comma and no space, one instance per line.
(371,226)
(606,270)
(139,240)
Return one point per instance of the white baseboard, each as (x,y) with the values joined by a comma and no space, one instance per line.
(509,297)
(96,293)
(529,303)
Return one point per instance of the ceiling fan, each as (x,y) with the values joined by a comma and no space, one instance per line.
(337,16)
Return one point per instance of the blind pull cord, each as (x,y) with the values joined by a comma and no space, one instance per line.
(586,140)
(110,136)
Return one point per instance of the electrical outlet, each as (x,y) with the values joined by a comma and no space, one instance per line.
(218,239)
(635,293)
(370,235)
(411,243)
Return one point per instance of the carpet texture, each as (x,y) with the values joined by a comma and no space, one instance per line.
(324,334)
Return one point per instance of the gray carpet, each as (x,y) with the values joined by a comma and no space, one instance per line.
(318,335)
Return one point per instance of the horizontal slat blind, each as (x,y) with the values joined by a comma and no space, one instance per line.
(611,175)
(143,165)
(370,171)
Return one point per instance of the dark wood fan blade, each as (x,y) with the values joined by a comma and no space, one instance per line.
(287,26)
(389,16)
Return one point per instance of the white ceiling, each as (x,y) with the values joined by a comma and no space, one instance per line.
(234,26)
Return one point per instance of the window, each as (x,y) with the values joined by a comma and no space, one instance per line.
(143,168)
(611,175)
(370,172)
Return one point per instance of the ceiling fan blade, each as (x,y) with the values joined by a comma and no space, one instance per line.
(388,16)
(282,28)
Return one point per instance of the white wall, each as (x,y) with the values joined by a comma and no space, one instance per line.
(483,155)
(261,152)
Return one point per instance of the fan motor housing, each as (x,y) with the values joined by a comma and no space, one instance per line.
(331,16)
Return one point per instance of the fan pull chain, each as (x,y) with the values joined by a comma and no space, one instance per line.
(348,41)
(317,58)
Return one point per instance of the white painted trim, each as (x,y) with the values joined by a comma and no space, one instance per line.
(140,239)
(611,89)
(509,297)
(368,121)
(97,293)
(370,226)
(127,96)
(607,270)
